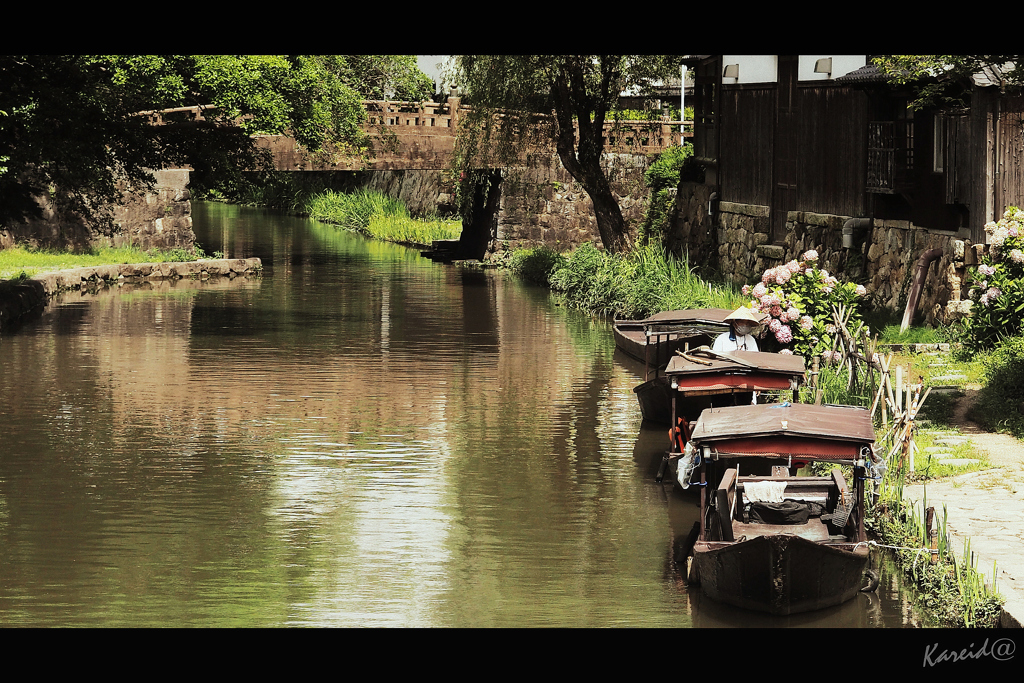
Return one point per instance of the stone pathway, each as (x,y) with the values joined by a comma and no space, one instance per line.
(986,507)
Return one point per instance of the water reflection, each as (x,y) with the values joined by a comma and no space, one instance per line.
(358,438)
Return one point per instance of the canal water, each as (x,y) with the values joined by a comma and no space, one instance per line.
(360,437)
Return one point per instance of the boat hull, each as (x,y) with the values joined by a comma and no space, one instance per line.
(779,574)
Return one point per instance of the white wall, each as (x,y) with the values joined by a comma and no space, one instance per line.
(764,68)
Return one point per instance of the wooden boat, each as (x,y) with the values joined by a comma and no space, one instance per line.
(699,379)
(654,340)
(805,548)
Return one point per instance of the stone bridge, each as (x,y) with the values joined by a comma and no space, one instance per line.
(528,206)
(425,135)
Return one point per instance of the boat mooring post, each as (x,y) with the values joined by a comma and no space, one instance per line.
(933,535)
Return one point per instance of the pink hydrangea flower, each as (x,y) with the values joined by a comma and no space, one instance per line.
(806,322)
(784,334)
(759,290)
(793,266)
(786,352)
(810,255)
(746,290)
(986,269)
(861,290)
(775,325)
(776,311)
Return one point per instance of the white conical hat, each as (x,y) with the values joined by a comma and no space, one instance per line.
(745,313)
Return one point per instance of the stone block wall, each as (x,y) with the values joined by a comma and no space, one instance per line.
(544,205)
(884,258)
(161,219)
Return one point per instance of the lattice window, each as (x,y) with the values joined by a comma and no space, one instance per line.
(890,156)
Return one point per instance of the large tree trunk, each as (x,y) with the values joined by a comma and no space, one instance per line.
(580,142)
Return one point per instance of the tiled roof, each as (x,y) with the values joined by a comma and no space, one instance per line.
(865,74)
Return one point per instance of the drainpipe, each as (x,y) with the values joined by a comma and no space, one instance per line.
(920,273)
(850,227)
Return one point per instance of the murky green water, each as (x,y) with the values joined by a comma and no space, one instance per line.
(361,437)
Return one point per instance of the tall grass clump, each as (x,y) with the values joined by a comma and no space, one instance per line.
(635,285)
(353,210)
(402,229)
(952,591)
(379,216)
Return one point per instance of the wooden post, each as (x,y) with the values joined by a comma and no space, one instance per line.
(933,535)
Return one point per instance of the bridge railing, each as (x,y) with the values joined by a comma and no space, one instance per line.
(660,132)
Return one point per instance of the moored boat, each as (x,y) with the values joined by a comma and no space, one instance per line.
(699,379)
(654,340)
(770,540)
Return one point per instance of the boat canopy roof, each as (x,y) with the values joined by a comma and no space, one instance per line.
(690,316)
(788,421)
(704,361)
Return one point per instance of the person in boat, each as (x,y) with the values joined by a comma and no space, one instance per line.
(742,323)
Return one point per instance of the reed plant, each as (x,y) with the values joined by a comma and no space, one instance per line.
(952,591)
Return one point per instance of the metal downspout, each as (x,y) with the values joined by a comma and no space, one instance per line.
(921,271)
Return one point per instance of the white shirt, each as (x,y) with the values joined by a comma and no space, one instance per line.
(743,343)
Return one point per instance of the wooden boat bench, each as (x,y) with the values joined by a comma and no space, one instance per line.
(730,497)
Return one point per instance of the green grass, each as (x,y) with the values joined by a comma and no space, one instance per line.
(379,216)
(636,285)
(19,261)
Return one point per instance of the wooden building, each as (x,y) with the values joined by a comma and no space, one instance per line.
(799,146)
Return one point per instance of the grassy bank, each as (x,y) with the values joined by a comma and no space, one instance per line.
(20,261)
(633,286)
(380,217)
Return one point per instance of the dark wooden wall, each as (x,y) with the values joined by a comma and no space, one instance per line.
(832,129)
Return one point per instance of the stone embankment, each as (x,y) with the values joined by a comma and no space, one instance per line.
(18,297)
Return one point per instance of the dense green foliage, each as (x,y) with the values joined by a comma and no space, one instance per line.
(662,176)
(72,124)
(545,99)
(944,80)
(1000,405)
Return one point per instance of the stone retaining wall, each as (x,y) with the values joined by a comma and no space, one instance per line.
(18,297)
(544,205)
(160,219)
(883,259)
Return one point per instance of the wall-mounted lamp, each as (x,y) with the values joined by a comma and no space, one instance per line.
(823,66)
(732,71)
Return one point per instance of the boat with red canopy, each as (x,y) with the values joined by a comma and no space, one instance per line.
(768,539)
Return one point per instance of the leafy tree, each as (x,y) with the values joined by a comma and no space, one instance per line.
(73,125)
(580,90)
(944,80)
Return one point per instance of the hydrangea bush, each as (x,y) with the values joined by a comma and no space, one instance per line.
(997,286)
(798,298)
